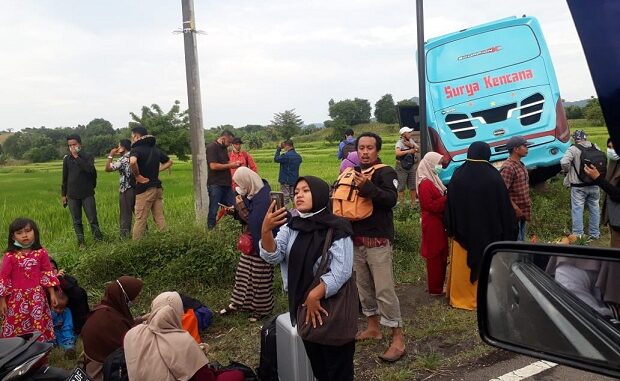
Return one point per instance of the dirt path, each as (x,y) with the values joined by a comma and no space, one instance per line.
(440,341)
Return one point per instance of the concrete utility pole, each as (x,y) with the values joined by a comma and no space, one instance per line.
(424,139)
(197,138)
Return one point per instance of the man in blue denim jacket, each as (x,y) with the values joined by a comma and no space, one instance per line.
(290,161)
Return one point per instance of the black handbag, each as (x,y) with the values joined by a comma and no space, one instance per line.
(340,325)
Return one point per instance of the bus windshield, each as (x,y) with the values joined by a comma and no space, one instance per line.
(475,55)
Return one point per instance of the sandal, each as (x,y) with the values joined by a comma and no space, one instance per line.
(231,309)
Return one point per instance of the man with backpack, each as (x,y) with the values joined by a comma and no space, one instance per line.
(347,145)
(373,236)
(584,192)
(406,166)
(146,161)
(126,191)
(79,179)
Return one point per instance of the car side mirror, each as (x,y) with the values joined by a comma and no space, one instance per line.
(540,311)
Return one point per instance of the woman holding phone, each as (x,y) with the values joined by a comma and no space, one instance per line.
(298,248)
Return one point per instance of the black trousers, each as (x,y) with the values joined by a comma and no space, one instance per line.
(331,363)
(126,201)
(90,208)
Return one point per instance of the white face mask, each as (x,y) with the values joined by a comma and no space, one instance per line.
(306,215)
(240,191)
(611,154)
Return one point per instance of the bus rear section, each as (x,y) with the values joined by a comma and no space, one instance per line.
(490,83)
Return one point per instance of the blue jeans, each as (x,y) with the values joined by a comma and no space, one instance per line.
(522,236)
(218,194)
(588,196)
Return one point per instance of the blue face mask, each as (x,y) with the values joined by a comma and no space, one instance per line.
(611,154)
(438,169)
(21,246)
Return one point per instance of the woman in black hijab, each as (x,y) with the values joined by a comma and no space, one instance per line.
(478,212)
(298,248)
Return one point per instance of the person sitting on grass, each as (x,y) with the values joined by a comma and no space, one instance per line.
(108,323)
(160,349)
(63,325)
(77,298)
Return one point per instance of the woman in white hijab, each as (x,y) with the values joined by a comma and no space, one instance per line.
(253,289)
(432,196)
(161,350)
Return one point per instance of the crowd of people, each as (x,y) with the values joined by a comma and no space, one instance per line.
(457,224)
(140,190)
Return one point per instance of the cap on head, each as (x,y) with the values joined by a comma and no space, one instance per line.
(516,141)
(579,135)
(405,129)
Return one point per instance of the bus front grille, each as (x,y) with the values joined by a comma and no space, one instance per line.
(531,109)
(496,114)
(461,126)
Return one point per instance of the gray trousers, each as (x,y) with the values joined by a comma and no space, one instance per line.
(126,202)
(90,208)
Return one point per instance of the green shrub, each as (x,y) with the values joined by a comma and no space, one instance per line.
(185,260)
(551,211)
(408,264)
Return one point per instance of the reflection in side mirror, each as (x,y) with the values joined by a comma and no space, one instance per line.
(558,313)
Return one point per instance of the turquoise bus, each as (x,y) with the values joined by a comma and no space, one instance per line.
(492,82)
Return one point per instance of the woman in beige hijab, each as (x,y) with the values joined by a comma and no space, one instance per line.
(161,350)
(253,289)
(432,196)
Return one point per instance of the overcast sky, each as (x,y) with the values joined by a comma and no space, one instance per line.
(67,62)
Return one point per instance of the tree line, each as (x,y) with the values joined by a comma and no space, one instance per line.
(172,128)
(43,144)
(591,111)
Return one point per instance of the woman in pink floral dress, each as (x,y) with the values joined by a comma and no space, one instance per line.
(26,273)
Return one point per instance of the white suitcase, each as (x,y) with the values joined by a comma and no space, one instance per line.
(293,362)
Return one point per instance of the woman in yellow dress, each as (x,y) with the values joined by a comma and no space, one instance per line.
(478,212)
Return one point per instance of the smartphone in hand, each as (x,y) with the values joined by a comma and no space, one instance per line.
(279,199)
(357,169)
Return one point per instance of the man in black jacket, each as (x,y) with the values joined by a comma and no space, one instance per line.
(146,161)
(79,179)
(373,238)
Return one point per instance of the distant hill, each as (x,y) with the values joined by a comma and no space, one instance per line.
(581,103)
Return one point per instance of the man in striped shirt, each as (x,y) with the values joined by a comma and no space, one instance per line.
(515,176)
